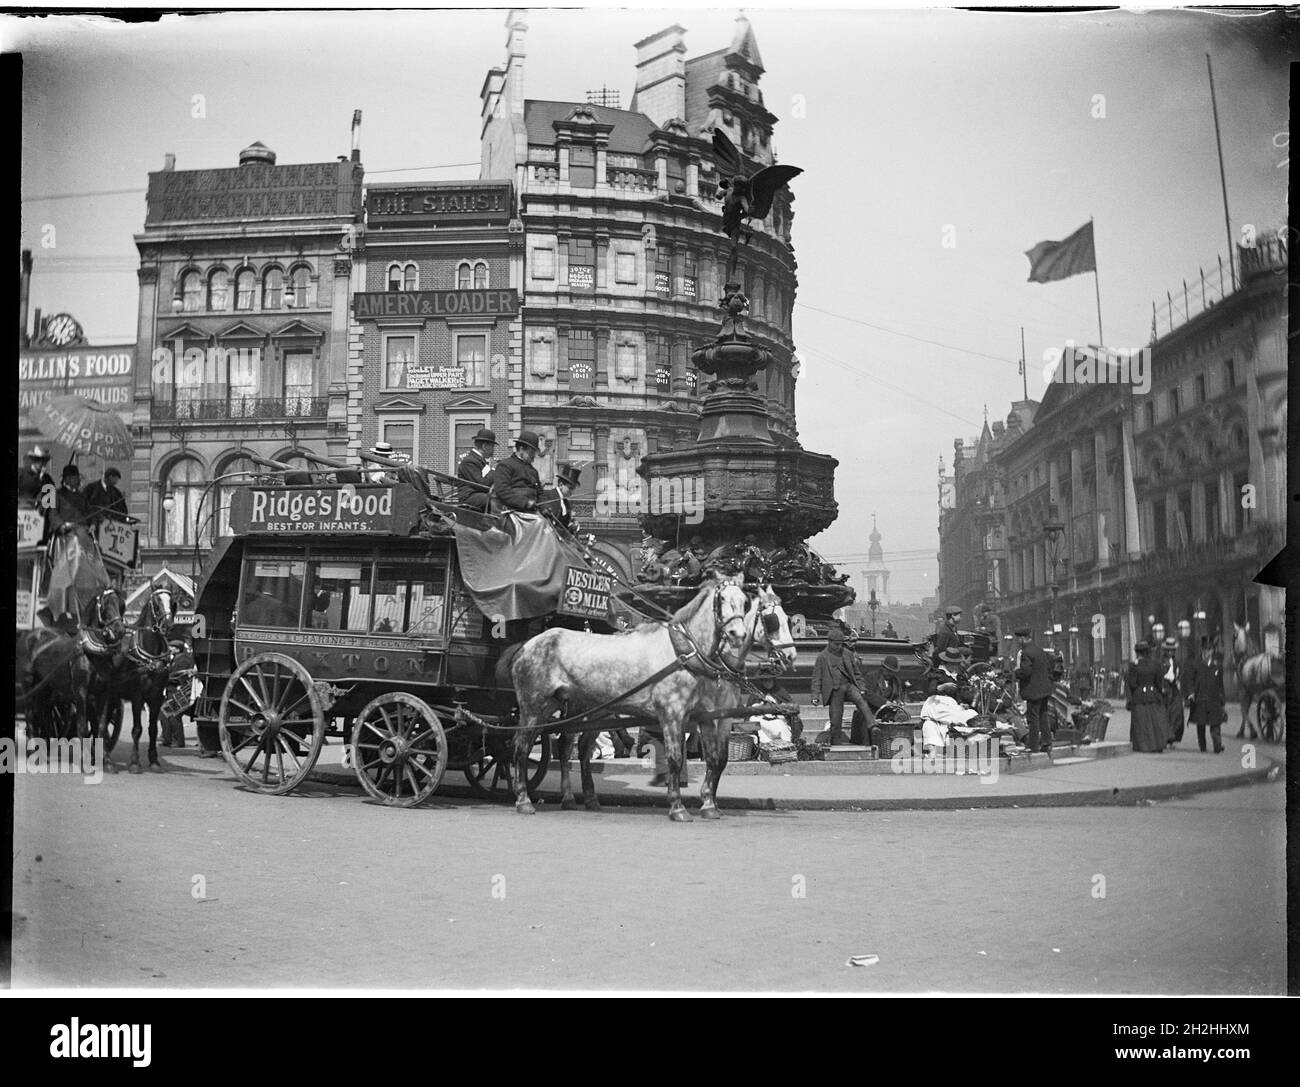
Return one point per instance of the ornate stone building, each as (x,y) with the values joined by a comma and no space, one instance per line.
(438,354)
(242,343)
(624,262)
(1167,502)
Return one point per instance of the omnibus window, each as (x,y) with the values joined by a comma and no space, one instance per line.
(340,596)
(273,594)
(409,598)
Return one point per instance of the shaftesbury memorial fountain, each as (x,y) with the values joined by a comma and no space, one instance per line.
(762,497)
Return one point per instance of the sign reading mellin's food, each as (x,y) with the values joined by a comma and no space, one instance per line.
(585,593)
(342,509)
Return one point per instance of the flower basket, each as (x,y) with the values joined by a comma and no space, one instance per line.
(740,747)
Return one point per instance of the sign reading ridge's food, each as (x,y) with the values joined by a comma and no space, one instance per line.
(336,509)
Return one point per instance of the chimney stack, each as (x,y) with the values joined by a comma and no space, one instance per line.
(169,162)
(356,135)
(24,293)
(661,76)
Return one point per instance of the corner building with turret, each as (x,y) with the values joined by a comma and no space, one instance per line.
(624,263)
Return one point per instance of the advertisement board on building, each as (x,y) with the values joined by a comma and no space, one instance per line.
(409,205)
(106,374)
(485,303)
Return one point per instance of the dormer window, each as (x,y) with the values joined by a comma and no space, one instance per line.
(582,167)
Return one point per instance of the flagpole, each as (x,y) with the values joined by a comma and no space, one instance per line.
(1024,377)
(1096,282)
(1223,183)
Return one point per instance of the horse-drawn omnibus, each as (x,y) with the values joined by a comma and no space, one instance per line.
(340,612)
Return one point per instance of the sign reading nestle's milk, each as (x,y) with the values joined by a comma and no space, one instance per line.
(343,509)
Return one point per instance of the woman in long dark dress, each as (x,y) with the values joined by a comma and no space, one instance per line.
(1171,679)
(1146,702)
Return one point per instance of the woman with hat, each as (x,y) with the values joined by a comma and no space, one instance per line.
(516,484)
(1146,702)
(1171,679)
(475,467)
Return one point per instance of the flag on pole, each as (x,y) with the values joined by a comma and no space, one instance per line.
(1049,261)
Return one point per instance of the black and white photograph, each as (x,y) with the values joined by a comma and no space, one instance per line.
(654,500)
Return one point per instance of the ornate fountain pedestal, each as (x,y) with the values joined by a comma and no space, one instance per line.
(739,492)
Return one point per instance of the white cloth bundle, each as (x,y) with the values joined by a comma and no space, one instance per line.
(940,711)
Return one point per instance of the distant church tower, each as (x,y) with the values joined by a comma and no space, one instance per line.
(875,574)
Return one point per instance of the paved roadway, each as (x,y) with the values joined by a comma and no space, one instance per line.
(326,889)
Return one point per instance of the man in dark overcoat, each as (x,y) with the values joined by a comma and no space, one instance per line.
(516,484)
(475,467)
(1033,672)
(947,637)
(1203,689)
(836,678)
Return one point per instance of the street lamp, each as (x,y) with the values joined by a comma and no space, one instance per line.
(873,604)
(1053,538)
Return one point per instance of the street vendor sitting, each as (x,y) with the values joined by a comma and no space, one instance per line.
(940,710)
(773,728)
(948,669)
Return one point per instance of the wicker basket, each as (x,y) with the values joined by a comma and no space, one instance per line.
(779,753)
(740,747)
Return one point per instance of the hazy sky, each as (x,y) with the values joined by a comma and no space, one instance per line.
(911,126)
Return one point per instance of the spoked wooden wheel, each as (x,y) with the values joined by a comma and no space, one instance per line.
(1271,711)
(399,750)
(490,775)
(272,723)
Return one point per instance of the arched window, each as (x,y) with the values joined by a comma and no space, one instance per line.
(184,483)
(192,291)
(411,278)
(245,288)
(463,276)
(300,286)
(218,289)
(394,277)
(272,288)
(480,276)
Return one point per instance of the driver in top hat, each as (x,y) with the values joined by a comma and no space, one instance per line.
(516,484)
(476,468)
(558,501)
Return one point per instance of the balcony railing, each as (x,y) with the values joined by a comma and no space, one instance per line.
(240,409)
(624,177)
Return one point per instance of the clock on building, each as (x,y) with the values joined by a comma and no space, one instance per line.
(61,330)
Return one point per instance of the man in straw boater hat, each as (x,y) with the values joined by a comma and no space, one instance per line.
(34,475)
(475,467)
(516,484)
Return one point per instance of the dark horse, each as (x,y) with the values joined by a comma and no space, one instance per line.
(669,671)
(131,663)
(51,674)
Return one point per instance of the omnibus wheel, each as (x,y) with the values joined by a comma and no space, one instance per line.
(271,711)
(489,776)
(1271,712)
(399,749)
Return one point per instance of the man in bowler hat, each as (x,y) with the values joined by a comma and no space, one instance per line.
(837,677)
(516,484)
(1032,670)
(947,638)
(475,468)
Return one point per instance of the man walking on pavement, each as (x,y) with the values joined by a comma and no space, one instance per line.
(1036,689)
(837,677)
(475,468)
(1203,688)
